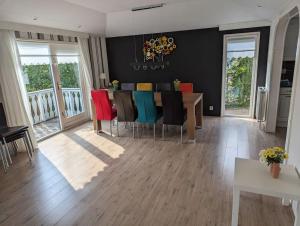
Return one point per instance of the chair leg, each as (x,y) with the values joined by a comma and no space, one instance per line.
(27,148)
(181,133)
(7,151)
(133,125)
(110,127)
(15,147)
(137,129)
(154,131)
(163,131)
(118,128)
(3,159)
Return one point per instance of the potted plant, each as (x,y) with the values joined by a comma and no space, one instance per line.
(115,84)
(176,84)
(273,157)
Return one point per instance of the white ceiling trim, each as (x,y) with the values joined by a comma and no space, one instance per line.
(5,25)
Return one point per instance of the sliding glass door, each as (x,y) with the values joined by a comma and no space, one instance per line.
(52,75)
(239,74)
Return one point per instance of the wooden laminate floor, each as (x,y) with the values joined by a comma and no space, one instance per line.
(80,178)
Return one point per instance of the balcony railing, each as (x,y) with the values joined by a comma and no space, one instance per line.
(43,104)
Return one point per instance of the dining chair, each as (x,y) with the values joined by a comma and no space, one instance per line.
(104,109)
(128,86)
(126,111)
(163,87)
(144,87)
(173,110)
(9,135)
(147,112)
(186,87)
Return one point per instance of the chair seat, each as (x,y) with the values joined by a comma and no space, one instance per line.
(9,131)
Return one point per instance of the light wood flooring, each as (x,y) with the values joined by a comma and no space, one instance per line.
(80,178)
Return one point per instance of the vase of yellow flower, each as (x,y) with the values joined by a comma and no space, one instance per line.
(273,157)
(176,84)
(115,84)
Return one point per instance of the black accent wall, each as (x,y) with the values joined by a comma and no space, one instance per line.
(197,59)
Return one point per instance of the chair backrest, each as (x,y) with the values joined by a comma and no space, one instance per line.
(163,87)
(125,106)
(128,86)
(144,87)
(102,104)
(144,101)
(3,122)
(173,109)
(186,87)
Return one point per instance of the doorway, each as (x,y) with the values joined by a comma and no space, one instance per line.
(52,76)
(240,59)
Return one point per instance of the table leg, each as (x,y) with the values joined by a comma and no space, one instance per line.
(191,121)
(235,207)
(297,217)
(199,114)
(96,123)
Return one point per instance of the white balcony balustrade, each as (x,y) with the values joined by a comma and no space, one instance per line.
(43,106)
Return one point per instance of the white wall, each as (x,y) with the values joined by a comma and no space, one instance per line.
(291,40)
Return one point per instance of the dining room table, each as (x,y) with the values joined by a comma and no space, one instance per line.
(193,103)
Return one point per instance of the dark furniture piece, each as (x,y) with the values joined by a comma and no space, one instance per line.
(173,110)
(128,86)
(126,111)
(163,87)
(9,135)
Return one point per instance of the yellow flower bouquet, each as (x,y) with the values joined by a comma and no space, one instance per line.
(273,157)
(176,84)
(115,84)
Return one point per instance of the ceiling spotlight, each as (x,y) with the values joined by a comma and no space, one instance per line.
(79,26)
(35,18)
(259,6)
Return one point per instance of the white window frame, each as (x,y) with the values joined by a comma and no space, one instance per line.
(65,122)
(228,37)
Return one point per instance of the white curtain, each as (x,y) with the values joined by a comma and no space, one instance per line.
(13,90)
(86,68)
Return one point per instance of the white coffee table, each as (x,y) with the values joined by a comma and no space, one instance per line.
(252,176)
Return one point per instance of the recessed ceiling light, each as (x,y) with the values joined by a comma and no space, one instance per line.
(35,18)
(259,6)
(79,26)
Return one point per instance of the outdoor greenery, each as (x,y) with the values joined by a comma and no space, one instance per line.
(39,76)
(239,76)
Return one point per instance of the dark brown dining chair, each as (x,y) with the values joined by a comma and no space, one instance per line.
(126,111)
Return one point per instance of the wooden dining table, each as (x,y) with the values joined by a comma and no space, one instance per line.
(193,102)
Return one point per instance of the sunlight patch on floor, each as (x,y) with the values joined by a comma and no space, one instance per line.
(76,164)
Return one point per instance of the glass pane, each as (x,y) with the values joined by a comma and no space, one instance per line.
(30,48)
(239,76)
(37,76)
(68,67)
(241,45)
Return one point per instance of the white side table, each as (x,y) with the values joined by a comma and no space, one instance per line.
(252,176)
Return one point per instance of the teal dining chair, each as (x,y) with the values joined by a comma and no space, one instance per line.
(147,112)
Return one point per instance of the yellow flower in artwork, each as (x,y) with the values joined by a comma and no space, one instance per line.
(286,155)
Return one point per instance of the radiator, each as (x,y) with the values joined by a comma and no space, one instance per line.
(261,104)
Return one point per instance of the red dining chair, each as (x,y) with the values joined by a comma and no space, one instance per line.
(104,109)
(186,87)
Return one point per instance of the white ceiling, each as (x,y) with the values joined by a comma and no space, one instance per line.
(115,17)
(53,13)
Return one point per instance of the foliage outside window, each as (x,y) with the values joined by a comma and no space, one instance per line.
(39,76)
(239,76)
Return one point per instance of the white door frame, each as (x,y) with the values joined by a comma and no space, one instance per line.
(227,37)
